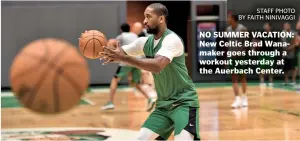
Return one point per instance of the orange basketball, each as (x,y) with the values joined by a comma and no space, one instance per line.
(49,76)
(91,43)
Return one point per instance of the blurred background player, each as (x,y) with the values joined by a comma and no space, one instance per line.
(124,70)
(266,28)
(147,81)
(240,101)
(139,29)
(290,60)
(297,42)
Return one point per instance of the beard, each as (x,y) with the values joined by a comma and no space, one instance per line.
(153,30)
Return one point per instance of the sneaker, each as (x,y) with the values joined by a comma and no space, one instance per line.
(236,103)
(108,106)
(262,85)
(293,84)
(271,84)
(151,103)
(244,101)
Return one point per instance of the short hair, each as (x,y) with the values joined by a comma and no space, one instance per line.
(269,23)
(125,27)
(160,10)
(234,17)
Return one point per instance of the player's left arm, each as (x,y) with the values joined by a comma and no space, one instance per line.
(171,47)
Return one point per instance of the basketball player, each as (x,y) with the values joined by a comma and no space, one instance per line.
(240,101)
(138,30)
(267,28)
(177,106)
(290,60)
(123,70)
(147,82)
(297,43)
(296,46)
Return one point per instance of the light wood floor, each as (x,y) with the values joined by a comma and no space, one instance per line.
(273,114)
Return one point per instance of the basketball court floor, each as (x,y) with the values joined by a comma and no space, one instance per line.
(273,114)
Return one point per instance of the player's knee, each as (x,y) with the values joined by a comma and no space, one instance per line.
(184,135)
(146,134)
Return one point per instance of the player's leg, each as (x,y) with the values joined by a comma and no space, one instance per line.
(262,80)
(294,71)
(136,78)
(244,97)
(148,83)
(286,69)
(186,123)
(146,134)
(113,88)
(235,86)
(271,80)
(262,76)
(271,67)
(158,126)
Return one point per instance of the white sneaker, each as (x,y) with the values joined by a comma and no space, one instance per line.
(237,102)
(271,84)
(108,106)
(244,101)
(263,84)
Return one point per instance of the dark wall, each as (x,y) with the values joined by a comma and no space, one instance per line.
(179,12)
(23,22)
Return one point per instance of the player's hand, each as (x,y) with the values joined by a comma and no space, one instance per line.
(111,54)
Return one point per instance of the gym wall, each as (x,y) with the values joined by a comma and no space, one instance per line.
(23,22)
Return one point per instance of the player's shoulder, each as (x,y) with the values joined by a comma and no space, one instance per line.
(229,28)
(242,27)
(132,34)
(141,40)
(172,37)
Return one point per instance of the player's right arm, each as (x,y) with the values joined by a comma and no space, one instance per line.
(135,48)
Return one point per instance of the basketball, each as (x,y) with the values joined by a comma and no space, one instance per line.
(49,76)
(91,43)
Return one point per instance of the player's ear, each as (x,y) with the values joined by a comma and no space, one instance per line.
(161,19)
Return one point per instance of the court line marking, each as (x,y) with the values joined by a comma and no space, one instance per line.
(107,90)
(88,101)
(101,90)
(10,94)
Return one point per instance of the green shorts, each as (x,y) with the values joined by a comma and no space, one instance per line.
(123,71)
(164,122)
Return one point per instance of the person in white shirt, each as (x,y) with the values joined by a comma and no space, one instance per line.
(124,70)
